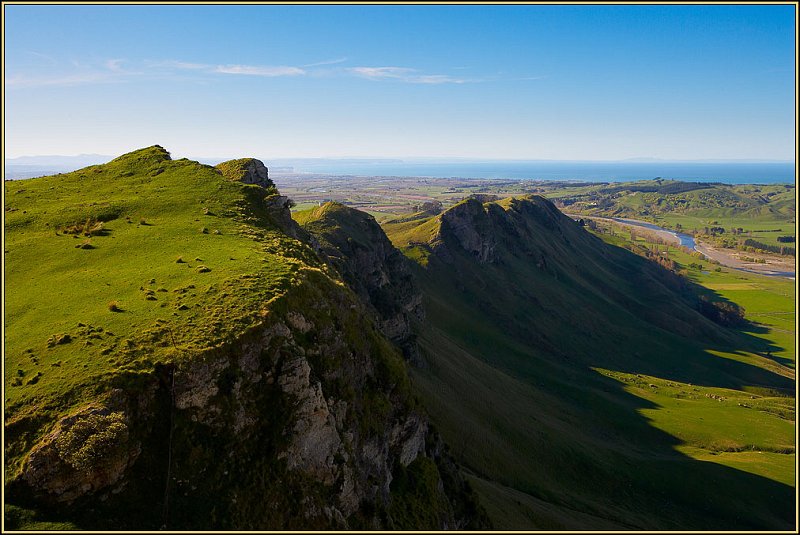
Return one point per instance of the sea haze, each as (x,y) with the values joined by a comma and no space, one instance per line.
(729,173)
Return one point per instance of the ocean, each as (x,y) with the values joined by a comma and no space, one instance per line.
(729,173)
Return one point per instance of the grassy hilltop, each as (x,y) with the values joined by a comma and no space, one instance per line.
(110,267)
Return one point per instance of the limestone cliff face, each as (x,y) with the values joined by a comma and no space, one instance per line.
(305,422)
(354,243)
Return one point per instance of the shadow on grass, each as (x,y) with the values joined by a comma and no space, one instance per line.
(520,403)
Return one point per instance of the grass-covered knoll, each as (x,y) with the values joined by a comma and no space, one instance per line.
(336,220)
(557,339)
(248,170)
(110,267)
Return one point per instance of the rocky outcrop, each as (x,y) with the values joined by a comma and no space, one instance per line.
(247,170)
(356,246)
(279,208)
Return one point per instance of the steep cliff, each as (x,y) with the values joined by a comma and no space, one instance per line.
(247,389)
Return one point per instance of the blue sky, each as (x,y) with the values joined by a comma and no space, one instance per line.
(495,82)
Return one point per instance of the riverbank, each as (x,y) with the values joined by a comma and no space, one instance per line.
(775,266)
(772,265)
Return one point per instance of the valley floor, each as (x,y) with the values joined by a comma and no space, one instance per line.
(770,265)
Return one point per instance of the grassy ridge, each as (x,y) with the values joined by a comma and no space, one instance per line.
(560,415)
(171,259)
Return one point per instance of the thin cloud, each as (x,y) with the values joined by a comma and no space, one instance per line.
(436,79)
(117,70)
(250,70)
(184,65)
(377,73)
(525,78)
(414,76)
(405,74)
(254,70)
(110,71)
(42,56)
(328,62)
(114,65)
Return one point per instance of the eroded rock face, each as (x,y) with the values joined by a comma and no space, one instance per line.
(323,437)
(257,173)
(471,226)
(354,243)
(300,423)
(315,441)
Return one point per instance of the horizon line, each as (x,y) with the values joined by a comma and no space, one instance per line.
(431,159)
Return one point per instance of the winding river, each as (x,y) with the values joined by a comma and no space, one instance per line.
(684,239)
(689,242)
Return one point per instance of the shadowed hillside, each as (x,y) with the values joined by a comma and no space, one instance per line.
(544,346)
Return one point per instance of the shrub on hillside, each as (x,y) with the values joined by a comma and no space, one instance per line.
(724,313)
(92,439)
